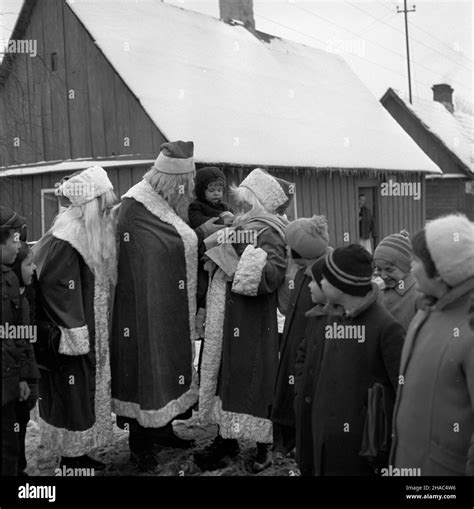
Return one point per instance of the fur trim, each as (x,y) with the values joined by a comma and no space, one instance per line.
(266,188)
(249,271)
(154,203)
(77,443)
(74,341)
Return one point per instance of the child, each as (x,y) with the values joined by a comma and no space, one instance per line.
(393,257)
(361,349)
(14,358)
(24,268)
(210,183)
(308,358)
(433,417)
(308,240)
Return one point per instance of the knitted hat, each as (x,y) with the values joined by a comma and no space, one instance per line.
(450,241)
(85,186)
(349,269)
(308,236)
(396,249)
(175,158)
(272,193)
(9,219)
(204,177)
(317,270)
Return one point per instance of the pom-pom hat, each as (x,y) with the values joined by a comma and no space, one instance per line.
(396,249)
(308,236)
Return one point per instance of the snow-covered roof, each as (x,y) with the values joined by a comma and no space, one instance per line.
(242,100)
(455,130)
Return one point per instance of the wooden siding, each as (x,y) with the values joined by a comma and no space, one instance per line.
(81,109)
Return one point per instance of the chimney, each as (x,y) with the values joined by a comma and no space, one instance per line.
(443,94)
(240,10)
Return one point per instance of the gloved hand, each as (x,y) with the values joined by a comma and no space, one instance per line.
(210,226)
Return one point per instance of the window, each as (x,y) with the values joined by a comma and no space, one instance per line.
(49,209)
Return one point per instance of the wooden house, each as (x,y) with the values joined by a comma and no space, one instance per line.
(110,81)
(447,138)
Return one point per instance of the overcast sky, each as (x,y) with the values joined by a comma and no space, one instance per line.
(369,35)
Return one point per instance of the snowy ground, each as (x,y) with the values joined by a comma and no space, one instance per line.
(171,461)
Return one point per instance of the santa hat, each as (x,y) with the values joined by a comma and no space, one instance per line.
(271,192)
(175,158)
(396,249)
(308,236)
(349,269)
(85,186)
(450,241)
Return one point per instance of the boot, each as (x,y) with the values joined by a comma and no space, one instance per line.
(82,462)
(212,457)
(166,437)
(263,459)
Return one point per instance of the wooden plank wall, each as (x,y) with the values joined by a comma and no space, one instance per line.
(82,109)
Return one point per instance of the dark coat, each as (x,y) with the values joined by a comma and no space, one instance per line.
(153,325)
(306,365)
(366,223)
(248,339)
(293,333)
(16,362)
(347,370)
(199,211)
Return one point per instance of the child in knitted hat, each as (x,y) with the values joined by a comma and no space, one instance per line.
(361,349)
(433,421)
(308,241)
(210,184)
(393,257)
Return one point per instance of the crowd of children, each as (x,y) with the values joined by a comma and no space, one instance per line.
(363,377)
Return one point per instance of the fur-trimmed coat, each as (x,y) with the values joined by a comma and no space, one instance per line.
(240,357)
(153,325)
(74,403)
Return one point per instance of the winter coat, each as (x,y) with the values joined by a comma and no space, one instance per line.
(347,370)
(293,333)
(240,356)
(199,211)
(434,410)
(306,365)
(16,361)
(153,324)
(402,302)
(74,402)
(366,223)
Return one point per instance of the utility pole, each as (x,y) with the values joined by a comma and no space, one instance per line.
(406,11)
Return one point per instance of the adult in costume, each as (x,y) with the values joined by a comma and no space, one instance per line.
(240,357)
(76,268)
(153,326)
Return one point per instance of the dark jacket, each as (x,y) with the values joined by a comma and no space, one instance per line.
(347,370)
(15,359)
(366,223)
(199,211)
(293,333)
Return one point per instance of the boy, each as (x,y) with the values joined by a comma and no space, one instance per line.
(361,349)
(14,358)
(393,257)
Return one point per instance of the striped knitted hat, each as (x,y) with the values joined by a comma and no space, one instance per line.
(396,249)
(349,269)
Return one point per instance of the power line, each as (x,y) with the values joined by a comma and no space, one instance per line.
(399,31)
(325,44)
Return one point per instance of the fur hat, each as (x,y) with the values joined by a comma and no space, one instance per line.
(349,269)
(308,236)
(175,158)
(450,241)
(204,177)
(85,186)
(396,249)
(272,193)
